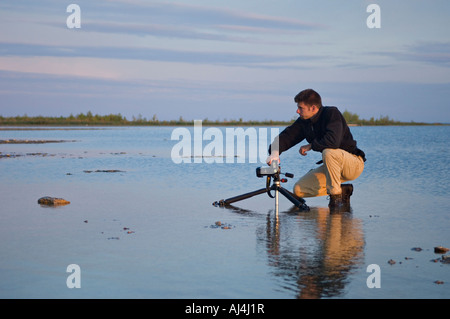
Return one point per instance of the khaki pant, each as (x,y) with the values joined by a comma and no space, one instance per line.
(338,167)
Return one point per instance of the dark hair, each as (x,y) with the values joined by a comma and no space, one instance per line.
(309,97)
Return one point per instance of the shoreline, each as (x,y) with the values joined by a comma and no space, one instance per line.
(86,120)
(71,126)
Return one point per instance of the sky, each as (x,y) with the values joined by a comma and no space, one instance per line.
(225,59)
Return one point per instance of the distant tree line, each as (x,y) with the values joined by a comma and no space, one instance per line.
(120,120)
(354,119)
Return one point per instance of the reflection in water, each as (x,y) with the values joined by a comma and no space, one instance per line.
(313,253)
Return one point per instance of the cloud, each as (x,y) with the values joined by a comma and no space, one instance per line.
(223,33)
(161,18)
(188,14)
(430,52)
(187,21)
(231,34)
(434,53)
(153,54)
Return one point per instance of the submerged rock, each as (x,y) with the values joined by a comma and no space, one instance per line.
(219,224)
(52,201)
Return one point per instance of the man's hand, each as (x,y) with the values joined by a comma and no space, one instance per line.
(304,149)
(274,156)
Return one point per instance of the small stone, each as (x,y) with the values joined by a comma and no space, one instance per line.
(218,223)
(439,282)
(416,249)
(440,250)
(391,262)
(52,201)
(434,260)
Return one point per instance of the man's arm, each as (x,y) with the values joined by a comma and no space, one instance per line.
(289,137)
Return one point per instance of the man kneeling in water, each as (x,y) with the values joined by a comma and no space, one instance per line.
(326,131)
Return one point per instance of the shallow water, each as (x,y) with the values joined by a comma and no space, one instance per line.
(149,230)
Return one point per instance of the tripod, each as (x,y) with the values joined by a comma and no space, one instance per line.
(276,186)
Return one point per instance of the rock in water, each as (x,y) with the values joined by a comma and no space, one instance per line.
(52,201)
(440,249)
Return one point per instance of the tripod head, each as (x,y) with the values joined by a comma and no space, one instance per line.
(273,171)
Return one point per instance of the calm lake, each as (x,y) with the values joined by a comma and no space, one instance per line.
(140,225)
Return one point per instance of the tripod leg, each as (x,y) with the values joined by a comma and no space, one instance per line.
(301,200)
(297,201)
(224,202)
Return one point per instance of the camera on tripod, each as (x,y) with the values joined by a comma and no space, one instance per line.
(268,170)
(271,171)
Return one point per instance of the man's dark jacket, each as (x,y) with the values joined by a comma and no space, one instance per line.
(326,129)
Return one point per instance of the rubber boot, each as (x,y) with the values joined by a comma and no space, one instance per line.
(335,203)
(347,191)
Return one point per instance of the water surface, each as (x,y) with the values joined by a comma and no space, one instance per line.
(149,229)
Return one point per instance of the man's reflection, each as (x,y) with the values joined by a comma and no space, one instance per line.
(315,256)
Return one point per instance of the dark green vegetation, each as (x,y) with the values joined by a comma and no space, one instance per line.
(119,120)
(354,119)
